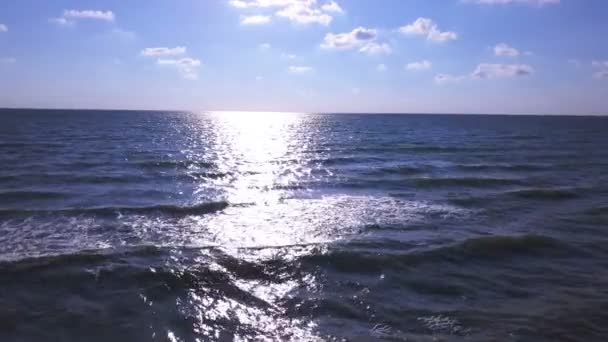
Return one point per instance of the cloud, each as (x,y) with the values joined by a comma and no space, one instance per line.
(381,67)
(419,66)
(332,7)
(600,64)
(298,11)
(61,21)
(421,26)
(255,20)
(427,27)
(8,60)
(373,48)
(301,69)
(264,46)
(238,4)
(446,78)
(288,55)
(187,67)
(89,14)
(507,2)
(3,28)
(302,13)
(505,50)
(69,16)
(261,3)
(164,51)
(601,75)
(349,40)
(362,38)
(438,36)
(486,70)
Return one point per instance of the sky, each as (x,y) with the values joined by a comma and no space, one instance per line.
(397,56)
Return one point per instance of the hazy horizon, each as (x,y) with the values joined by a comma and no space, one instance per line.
(203,111)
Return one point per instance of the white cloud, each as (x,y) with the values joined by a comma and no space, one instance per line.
(288,56)
(600,64)
(362,38)
(373,48)
(349,40)
(332,7)
(238,4)
(164,51)
(302,13)
(507,2)
(187,67)
(261,3)
(298,11)
(427,27)
(419,66)
(438,36)
(299,69)
(61,21)
(381,67)
(3,28)
(421,26)
(601,75)
(89,14)
(486,70)
(264,46)
(505,50)
(8,60)
(446,78)
(255,20)
(69,16)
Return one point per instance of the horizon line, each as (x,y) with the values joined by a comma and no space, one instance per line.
(290,112)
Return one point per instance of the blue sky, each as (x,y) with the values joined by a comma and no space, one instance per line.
(417,56)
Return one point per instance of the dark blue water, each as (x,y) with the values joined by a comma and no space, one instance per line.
(150,226)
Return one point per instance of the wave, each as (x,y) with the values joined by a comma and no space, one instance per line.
(210,175)
(598,211)
(465,181)
(362,257)
(28,146)
(403,170)
(343,160)
(149,262)
(475,249)
(31,195)
(504,167)
(179,164)
(198,209)
(545,194)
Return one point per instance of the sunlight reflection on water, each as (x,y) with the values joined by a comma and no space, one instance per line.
(256,146)
(268,156)
(251,147)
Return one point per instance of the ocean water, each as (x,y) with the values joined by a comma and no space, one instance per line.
(158,226)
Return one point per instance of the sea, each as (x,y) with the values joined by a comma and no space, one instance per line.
(236,226)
